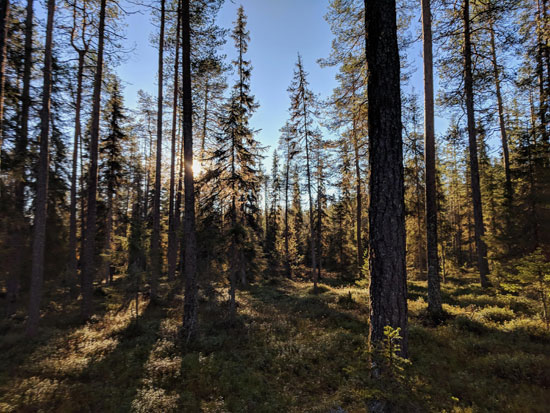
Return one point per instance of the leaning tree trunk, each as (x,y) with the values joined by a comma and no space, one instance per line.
(190,319)
(388,284)
(434,293)
(40,213)
(88,256)
(479,226)
(155,235)
(172,229)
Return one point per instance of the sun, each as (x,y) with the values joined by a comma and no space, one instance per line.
(197,167)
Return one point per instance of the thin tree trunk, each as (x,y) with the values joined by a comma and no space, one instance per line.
(540,74)
(501,120)
(172,235)
(4,18)
(308,173)
(91,213)
(41,210)
(190,306)
(108,238)
(72,265)
(287,252)
(388,284)
(12,286)
(434,293)
(177,207)
(479,226)
(359,202)
(155,235)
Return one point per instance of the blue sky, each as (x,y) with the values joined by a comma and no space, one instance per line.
(278,31)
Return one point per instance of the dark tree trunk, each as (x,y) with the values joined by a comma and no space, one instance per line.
(12,286)
(108,237)
(155,235)
(40,214)
(288,268)
(4,17)
(541,49)
(479,226)
(88,255)
(388,284)
(359,201)
(82,51)
(190,306)
(501,120)
(172,229)
(434,292)
(72,264)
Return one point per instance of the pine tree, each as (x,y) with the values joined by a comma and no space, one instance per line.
(111,166)
(236,161)
(434,293)
(388,288)
(40,214)
(88,269)
(302,112)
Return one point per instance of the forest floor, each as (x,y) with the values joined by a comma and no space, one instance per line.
(290,350)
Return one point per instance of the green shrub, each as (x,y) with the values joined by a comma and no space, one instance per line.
(497,314)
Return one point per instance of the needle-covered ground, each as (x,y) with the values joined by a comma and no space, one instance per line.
(289,350)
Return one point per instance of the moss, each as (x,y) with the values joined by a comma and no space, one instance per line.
(290,350)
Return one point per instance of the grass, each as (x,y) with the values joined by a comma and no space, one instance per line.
(289,350)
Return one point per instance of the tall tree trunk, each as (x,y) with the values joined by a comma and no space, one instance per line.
(388,284)
(501,120)
(12,286)
(479,226)
(318,232)
(108,238)
(287,252)
(155,235)
(72,265)
(88,255)
(434,294)
(41,210)
(190,306)
(177,206)
(172,230)
(541,48)
(359,202)
(4,18)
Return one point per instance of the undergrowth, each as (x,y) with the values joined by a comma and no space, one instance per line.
(292,349)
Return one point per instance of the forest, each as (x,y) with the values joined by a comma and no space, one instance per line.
(390,253)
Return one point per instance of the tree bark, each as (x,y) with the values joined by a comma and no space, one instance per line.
(288,268)
(4,18)
(82,51)
(12,286)
(172,229)
(190,306)
(359,201)
(41,210)
(434,293)
(388,284)
(501,120)
(91,213)
(72,265)
(479,226)
(155,235)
